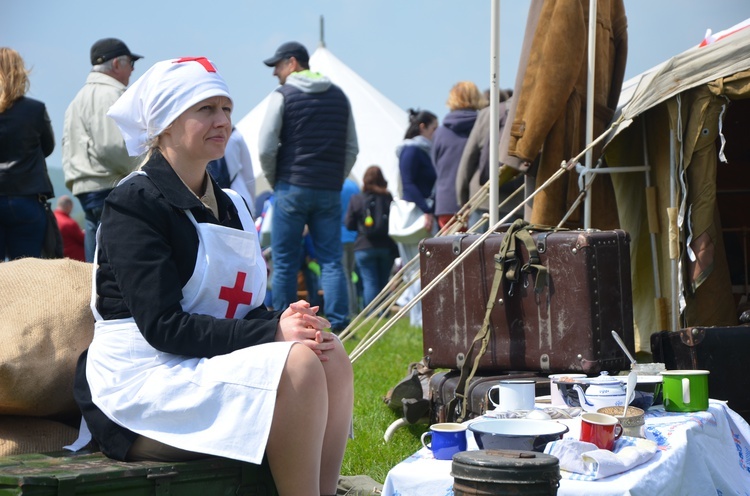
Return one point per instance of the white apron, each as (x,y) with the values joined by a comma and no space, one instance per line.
(220,406)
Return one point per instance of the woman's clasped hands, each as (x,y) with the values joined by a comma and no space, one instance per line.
(301,323)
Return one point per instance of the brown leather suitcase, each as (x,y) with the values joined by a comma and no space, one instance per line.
(561,324)
(443,387)
(710,348)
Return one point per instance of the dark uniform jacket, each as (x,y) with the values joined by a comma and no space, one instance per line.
(146,254)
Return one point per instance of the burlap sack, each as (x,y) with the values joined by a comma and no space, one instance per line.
(45,324)
(19,435)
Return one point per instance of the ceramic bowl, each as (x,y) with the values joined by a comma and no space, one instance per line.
(516,434)
(633,425)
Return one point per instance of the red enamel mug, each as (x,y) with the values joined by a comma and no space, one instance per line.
(600,429)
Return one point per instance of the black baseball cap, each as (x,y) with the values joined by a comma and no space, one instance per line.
(288,49)
(109,48)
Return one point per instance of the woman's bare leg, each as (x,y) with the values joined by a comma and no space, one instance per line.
(299,424)
(339,378)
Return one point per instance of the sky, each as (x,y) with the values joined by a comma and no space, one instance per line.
(412,51)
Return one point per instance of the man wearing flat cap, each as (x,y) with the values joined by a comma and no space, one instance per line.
(307,147)
(94,155)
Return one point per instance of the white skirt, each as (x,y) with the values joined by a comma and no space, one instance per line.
(220,406)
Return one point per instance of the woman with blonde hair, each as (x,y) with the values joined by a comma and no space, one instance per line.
(25,140)
(464,101)
(186,361)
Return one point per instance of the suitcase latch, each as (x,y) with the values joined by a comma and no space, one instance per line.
(541,242)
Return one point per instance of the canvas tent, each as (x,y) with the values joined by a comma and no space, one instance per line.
(380,123)
(688,217)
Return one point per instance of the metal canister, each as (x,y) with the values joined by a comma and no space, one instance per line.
(505,473)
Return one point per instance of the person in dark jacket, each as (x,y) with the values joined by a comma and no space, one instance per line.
(186,361)
(307,146)
(417,185)
(374,250)
(25,140)
(474,167)
(448,144)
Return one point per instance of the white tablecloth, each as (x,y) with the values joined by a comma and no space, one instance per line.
(701,453)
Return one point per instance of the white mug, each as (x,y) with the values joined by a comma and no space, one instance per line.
(556,396)
(515,394)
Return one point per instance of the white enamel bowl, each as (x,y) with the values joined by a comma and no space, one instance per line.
(516,434)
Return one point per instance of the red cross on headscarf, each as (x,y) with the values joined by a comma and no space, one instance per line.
(236,295)
(201,60)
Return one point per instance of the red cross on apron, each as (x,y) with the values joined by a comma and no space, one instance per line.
(236,295)
(225,254)
(201,60)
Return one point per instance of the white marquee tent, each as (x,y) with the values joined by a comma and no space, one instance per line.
(380,123)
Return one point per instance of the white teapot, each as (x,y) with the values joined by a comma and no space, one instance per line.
(603,391)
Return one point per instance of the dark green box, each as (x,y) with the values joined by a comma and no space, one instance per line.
(67,474)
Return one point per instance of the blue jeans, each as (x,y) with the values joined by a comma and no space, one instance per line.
(408,252)
(92,204)
(349,263)
(22,226)
(294,207)
(475,217)
(375,265)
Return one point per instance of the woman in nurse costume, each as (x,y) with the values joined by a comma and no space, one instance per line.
(186,361)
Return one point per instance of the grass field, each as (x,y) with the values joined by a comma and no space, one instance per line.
(375,372)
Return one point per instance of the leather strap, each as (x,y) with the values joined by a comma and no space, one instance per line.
(507,264)
(506,253)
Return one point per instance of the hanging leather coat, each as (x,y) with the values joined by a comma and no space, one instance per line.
(550,117)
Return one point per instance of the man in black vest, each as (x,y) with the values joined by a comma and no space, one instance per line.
(307,146)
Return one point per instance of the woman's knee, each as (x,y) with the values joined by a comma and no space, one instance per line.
(304,369)
(339,367)
(303,384)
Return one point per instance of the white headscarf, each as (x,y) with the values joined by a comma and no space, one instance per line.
(157,98)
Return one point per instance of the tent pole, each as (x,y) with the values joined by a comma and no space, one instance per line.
(587,178)
(322,41)
(660,303)
(494,113)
